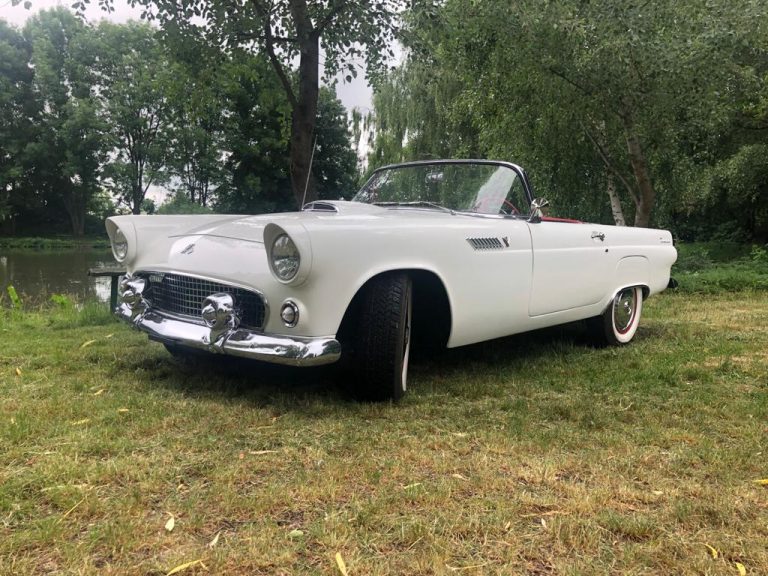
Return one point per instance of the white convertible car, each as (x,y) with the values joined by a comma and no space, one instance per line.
(447,253)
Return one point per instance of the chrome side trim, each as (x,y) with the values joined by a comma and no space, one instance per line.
(277,349)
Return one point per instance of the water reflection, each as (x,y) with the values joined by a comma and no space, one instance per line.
(36,273)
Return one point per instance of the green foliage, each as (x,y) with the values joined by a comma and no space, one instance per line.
(179,203)
(62,301)
(136,73)
(335,162)
(594,97)
(15,300)
(718,267)
(38,243)
(73,315)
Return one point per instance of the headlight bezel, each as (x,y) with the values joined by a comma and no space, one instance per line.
(122,239)
(284,257)
(299,238)
(119,244)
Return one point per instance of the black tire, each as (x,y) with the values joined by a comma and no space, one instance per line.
(618,324)
(383,339)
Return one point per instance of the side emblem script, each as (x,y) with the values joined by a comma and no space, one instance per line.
(189,249)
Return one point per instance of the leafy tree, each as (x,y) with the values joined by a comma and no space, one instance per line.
(335,163)
(68,147)
(179,203)
(618,96)
(255,147)
(198,119)
(134,78)
(286,30)
(15,98)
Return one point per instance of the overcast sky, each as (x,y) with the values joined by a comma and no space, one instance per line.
(355,94)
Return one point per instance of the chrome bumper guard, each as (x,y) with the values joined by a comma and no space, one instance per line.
(287,350)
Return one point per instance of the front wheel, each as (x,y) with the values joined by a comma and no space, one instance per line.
(618,324)
(383,338)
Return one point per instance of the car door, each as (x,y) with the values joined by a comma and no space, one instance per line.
(571,265)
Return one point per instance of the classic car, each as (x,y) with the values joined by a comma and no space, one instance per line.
(439,253)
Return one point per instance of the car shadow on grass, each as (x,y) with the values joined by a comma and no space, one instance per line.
(267,384)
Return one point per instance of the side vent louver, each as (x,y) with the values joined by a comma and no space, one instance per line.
(485,243)
(319,207)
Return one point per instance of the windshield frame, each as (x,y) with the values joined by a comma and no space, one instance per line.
(527,188)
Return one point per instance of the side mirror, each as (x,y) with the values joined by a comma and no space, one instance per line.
(536,207)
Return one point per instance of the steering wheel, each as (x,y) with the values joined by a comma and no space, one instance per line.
(512,207)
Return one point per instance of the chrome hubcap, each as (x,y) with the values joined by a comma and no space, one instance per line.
(624,310)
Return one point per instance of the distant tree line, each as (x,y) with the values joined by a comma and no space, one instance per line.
(93,116)
(644,113)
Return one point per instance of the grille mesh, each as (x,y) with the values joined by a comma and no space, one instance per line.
(184,295)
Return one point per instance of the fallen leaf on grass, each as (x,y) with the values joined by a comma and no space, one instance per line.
(459,476)
(215,540)
(87,343)
(761,482)
(741,569)
(186,565)
(712,551)
(340,563)
(18,371)
(81,422)
(170,524)
(99,392)
(295,533)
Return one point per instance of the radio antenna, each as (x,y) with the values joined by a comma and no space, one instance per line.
(309,173)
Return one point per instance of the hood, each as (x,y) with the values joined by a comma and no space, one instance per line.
(251,228)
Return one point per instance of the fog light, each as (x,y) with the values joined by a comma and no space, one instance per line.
(290,314)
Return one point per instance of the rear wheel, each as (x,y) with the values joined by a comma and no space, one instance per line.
(618,324)
(383,339)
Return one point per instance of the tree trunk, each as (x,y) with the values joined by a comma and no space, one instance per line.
(303,122)
(613,195)
(639,164)
(74,203)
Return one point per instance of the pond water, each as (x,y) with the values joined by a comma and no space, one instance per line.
(41,273)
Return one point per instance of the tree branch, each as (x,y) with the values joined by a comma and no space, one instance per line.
(573,83)
(327,20)
(269,45)
(608,164)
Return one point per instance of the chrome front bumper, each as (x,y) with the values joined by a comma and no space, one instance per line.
(292,351)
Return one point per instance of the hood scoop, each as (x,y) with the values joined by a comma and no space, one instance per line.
(320,206)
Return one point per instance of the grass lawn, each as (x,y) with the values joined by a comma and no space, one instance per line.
(535,454)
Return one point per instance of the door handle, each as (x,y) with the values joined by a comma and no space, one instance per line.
(598,235)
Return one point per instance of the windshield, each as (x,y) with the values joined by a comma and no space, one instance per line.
(482,188)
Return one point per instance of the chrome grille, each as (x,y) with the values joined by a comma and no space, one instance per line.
(184,295)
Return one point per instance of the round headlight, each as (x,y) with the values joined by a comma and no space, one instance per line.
(285,258)
(119,245)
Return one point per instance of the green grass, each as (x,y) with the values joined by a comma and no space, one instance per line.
(715,267)
(39,243)
(535,454)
